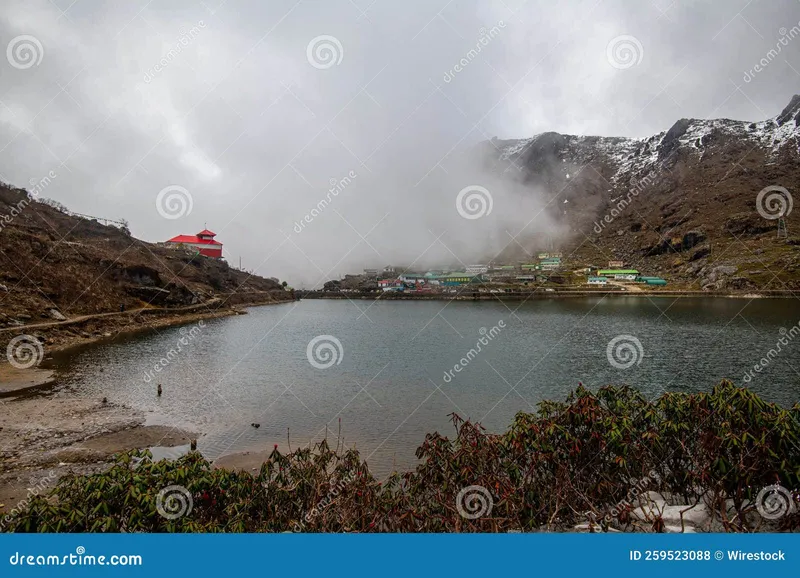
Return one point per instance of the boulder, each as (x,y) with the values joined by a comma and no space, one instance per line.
(700,253)
(740,283)
(692,239)
(686,529)
(56,314)
(696,515)
(152,295)
(724,270)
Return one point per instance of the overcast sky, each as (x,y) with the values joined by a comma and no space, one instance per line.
(249,109)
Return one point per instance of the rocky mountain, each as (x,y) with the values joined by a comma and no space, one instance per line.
(54,264)
(686,203)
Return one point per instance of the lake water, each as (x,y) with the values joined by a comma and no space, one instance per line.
(388,385)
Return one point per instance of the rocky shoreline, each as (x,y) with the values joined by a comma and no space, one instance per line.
(46,433)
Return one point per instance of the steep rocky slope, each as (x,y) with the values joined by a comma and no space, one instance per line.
(682,203)
(54,264)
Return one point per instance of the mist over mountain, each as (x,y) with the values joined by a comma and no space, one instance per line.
(250,111)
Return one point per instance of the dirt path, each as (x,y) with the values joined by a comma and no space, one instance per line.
(632,287)
(82,318)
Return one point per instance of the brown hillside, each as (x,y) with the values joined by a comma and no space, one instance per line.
(681,203)
(50,259)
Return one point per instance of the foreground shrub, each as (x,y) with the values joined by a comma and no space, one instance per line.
(569,462)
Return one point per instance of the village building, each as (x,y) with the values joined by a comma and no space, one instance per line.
(597,281)
(619,274)
(550,264)
(459,278)
(651,280)
(477,269)
(203,242)
(412,279)
(391,284)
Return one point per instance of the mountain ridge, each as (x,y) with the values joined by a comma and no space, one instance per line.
(692,187)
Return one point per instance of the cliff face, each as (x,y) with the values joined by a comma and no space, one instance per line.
(51,260)
(675,203)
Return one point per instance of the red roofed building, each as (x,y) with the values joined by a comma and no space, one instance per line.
(203,241)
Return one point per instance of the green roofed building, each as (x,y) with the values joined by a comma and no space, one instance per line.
(459,278)
(651,280)
(619,274)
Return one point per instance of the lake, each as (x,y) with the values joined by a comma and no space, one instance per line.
(399,368)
